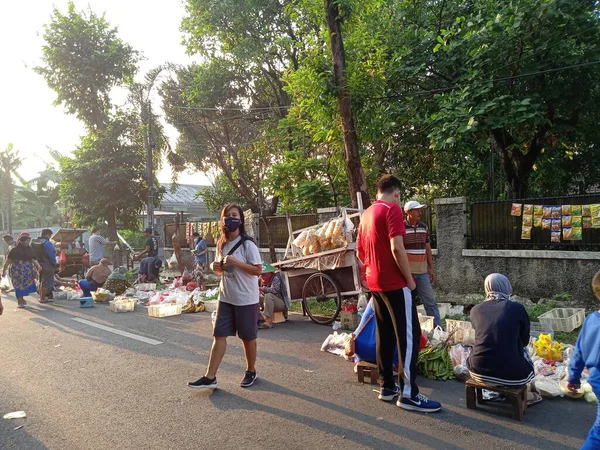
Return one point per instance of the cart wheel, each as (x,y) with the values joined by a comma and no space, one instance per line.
(321,298)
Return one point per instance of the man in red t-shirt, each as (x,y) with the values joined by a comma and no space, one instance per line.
(380,246)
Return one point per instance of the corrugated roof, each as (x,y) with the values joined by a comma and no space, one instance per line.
(185,194)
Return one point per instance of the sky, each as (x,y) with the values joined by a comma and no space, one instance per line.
(28,118)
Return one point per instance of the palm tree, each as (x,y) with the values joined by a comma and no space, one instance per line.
(9,163)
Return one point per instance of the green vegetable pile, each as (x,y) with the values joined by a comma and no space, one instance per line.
(435,362)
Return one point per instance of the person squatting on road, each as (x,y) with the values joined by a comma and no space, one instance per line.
(587,355)
(95,277)
(420,259)
(380,247)
(238,264)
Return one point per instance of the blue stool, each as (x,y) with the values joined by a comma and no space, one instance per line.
(86,302)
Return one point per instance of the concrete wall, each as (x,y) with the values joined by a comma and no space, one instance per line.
(533,273)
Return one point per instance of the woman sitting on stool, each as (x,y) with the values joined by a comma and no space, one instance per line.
(499,356)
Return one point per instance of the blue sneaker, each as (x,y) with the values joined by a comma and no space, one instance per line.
(420,403)
(387,395)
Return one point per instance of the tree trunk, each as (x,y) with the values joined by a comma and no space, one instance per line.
(356,176)
(270,242)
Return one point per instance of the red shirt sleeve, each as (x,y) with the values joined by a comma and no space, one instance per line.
(359,248)
(395,222)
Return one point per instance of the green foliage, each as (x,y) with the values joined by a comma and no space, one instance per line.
(106,176)
(535,311)
(565,337)
(83,60)
(135,238)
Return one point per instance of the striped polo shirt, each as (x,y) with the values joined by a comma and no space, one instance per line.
(415,242)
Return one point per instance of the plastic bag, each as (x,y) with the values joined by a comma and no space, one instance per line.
(301,239)
(62,259)
(172,262)
(5,284)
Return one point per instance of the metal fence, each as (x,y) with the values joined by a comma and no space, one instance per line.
(493,227)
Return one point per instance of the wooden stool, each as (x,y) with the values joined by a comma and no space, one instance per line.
(278,317)
(517,395)
(366,368)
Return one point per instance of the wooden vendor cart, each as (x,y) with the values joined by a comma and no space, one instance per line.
(323,280)
(62,239)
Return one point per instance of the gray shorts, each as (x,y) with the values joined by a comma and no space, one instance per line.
(240,320)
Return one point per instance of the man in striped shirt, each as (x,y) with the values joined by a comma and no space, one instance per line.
(418,249)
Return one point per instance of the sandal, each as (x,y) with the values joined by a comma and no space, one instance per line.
(533,398)
(264,326)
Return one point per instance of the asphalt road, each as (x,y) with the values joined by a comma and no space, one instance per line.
(86,388)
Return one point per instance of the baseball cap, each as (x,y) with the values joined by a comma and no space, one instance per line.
(412,205)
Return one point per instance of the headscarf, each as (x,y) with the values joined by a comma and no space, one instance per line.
(23,236)
(497,287)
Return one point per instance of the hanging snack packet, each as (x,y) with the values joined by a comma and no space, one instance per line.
(586,211)
(515,210)
(555,224)
(547,212)
(567,233)
(577,233)
(576,221)
(576,210)
(595,210)
(537,221)
(526,232)
(595,222)
(555,236)
(528,209)
(527,220)
(566,210)
(556,212)
(587,222)
(538,210)
(566,221)
(547,224)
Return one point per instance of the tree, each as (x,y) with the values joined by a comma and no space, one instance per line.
(37,200)
(356,176)
(84,59)
(105,179)
(9,163)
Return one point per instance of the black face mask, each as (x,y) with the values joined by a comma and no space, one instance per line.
(232,223)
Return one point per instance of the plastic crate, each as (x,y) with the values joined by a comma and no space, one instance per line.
(537,328)
(122,305)
(444,309)
(164,310)
(61,295)
(563,319)
(426,323)
(86,302)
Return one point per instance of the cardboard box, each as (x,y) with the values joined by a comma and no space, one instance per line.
(349,320)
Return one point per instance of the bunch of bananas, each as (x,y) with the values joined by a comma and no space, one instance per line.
(435,362)
(191,307)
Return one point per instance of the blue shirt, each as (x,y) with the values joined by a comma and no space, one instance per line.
(200,247)
(587,351)
(49,247)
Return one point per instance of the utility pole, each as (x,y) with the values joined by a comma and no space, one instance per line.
(9,193)
(150,145)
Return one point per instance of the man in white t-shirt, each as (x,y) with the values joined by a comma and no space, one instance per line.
(96,244)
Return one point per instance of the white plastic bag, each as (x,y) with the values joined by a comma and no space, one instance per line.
(172,262)
(5,284)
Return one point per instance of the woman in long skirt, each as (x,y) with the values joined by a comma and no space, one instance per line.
(23,268)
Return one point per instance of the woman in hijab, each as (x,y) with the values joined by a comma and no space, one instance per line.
(23,267)
(501,327)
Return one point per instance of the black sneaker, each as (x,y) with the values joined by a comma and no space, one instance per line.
(204,383)
(387,395)
(249,379)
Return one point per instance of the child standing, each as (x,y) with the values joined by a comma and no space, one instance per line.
(587,355)
(239,265)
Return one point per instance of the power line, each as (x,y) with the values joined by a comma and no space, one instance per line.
(493,80)
(268,108)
